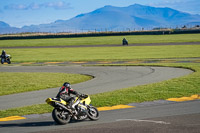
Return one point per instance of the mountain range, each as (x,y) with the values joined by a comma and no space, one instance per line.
(110,18)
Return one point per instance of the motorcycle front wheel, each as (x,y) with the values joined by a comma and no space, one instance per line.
(93,113)
(61,117)
(8,61)
(2,60)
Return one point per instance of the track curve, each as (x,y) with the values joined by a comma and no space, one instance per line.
(106,79)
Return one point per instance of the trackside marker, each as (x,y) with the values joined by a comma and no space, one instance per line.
(12,118)
(79,62)
(181,99)
(115,107)
(53,62)
(27,63)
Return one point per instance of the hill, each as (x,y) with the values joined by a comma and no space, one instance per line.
(110,18)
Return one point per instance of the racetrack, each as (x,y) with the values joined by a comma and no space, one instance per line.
(106,79)
(150,117)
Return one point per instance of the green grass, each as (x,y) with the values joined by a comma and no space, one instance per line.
(34,109)
(103,53)
(102,40)
(178,87)
(22,82)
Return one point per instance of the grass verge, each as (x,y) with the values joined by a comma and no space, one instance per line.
(103,53)
(12,82)
(104,40)
(177,87)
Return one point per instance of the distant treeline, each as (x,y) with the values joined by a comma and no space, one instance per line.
(94,34)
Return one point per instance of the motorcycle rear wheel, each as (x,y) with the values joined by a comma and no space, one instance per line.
(60,117)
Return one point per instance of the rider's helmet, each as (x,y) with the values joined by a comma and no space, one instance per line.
(3,54)
(66,84)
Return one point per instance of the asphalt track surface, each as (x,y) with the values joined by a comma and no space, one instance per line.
(105,79)
(148,117)
(180,117)
(157,116)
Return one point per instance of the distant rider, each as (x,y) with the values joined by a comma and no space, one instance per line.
(3,54)
(124,41)
(65,92)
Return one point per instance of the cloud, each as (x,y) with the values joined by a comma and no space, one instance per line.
(57,5)
(15,7)
(60,5)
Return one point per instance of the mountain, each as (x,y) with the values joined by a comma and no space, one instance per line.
(5,28)
(118,19)
(134,16)
(4,25)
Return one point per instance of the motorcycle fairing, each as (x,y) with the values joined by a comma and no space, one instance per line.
(84,102)
(53,100)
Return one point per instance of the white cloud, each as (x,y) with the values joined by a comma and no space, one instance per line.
(15,7)
(57,5)
(34,6)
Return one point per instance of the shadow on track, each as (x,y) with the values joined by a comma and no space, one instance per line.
(38,124)
(30,124)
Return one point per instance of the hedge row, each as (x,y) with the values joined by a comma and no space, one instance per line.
(92,34)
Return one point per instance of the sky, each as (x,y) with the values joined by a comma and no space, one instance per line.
(19,13)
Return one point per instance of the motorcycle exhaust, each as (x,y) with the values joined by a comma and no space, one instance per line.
(61,105)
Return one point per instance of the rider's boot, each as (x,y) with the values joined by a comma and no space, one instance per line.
(71,107)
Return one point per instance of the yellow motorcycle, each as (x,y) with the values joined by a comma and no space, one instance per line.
(62,114)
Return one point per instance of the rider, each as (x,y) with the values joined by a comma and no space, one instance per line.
(65,92)
(124,41)
(3,54)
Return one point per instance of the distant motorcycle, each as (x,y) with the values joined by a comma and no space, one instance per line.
(62,114)
(6,59)
(124,42)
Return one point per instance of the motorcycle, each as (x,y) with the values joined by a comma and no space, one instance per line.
(6,59)
(124,42)
(62,114)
